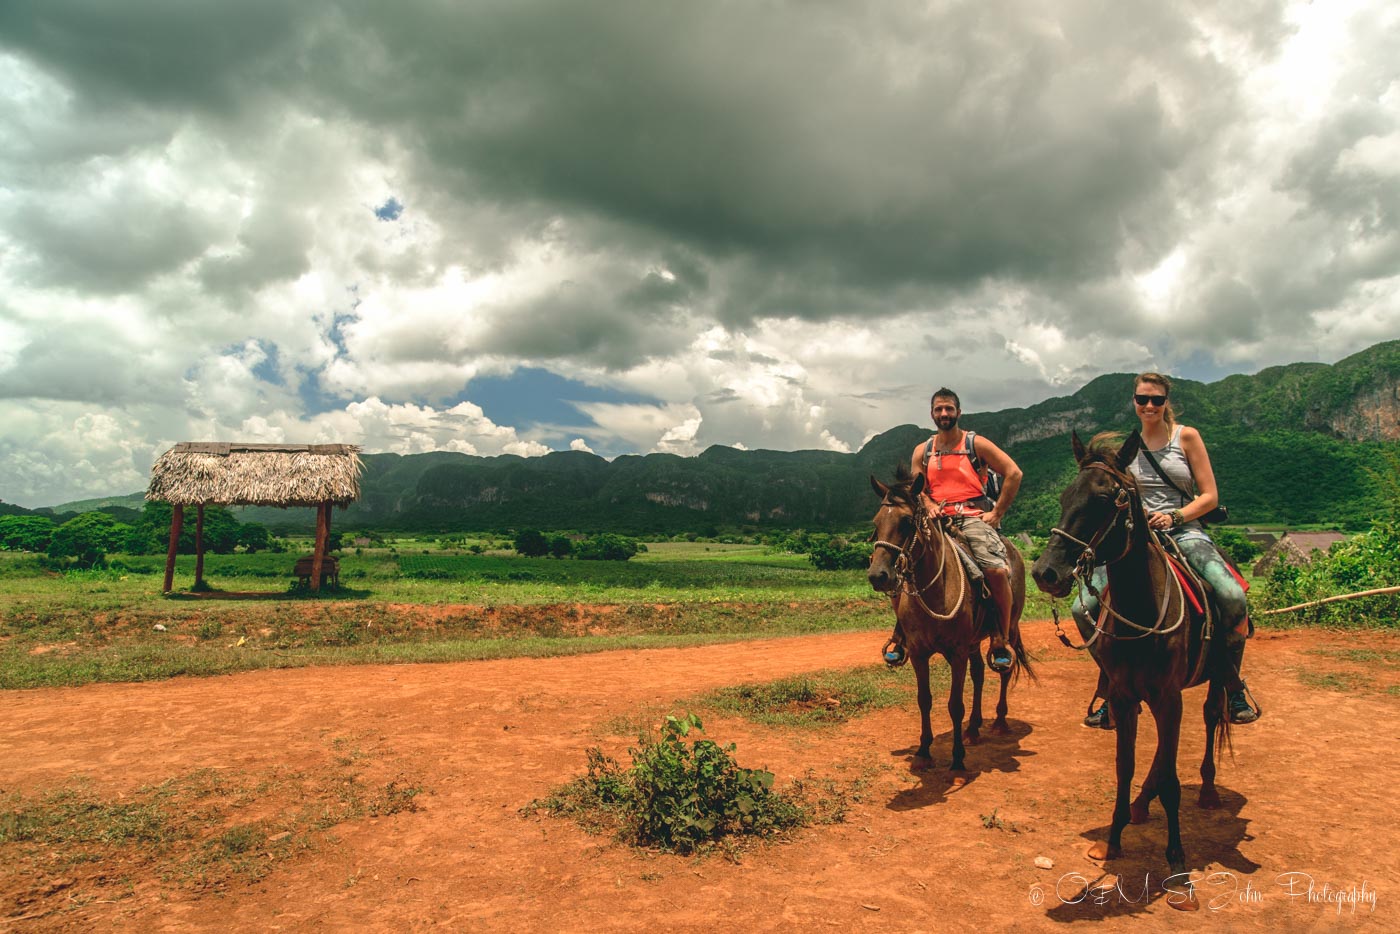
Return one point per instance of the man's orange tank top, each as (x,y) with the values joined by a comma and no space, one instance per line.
(952,480)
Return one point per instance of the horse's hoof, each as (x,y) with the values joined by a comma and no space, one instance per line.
(921,764)
(1000,728)
(1210,799)
(1181,896)
(1102,850)
(1138,815)
(970,738)
(956,779)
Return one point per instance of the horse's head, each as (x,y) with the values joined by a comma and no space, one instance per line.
(896,523)
(1098,511)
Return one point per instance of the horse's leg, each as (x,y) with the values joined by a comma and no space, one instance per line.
(1140,806)
(922,759)
(999,726)
(1214,714)
(1167,712)
(1149,788)
(955,707)
(1125,713)
(979,676)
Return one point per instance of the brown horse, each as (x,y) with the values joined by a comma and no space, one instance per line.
(938,609)
(1145,641)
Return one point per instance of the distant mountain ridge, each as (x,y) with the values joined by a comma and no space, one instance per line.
(1292,444)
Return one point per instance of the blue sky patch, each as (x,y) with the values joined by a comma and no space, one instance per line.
(531,396)
(390,210)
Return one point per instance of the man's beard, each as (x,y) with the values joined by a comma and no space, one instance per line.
(946,422)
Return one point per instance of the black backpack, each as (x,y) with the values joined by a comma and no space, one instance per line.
(991,480)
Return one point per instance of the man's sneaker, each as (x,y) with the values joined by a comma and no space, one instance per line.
(895,654)
(1101,719)
(1239,707)
(999,659)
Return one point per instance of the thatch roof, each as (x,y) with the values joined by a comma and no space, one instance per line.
(233,474)
(1297,549)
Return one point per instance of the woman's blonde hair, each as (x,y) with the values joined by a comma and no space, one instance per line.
(1168,413)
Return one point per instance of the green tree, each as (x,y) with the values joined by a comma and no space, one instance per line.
(254,537)
(532,544)
(25,533)
(606,546)
(88,538)
(560,546)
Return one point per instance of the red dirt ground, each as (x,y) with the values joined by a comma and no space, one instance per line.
(1309,793)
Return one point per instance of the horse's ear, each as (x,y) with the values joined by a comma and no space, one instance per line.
(920,482)
(1129,451)
(880,488)
(1079,451)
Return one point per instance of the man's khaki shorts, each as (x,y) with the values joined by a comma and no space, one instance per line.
(987,548)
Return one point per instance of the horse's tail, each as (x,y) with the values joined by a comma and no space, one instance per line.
(1023,658)
(1223,741)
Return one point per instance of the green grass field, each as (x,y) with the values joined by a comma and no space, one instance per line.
(414,601)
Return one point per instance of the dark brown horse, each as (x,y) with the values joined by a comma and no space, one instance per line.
(1145,641)
(939,609)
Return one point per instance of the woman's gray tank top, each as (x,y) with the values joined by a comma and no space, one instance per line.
(1157,494)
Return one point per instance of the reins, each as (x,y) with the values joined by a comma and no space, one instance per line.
(1088,559)
(906,567)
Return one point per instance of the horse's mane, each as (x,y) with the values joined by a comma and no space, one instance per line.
(1103,448)
(903,482)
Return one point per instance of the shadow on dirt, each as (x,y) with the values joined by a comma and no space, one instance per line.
(293,595)
(1139,878)
(991,753)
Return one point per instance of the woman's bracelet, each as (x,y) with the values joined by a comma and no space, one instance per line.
(1178,520)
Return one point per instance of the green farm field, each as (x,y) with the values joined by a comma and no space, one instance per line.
(412,602)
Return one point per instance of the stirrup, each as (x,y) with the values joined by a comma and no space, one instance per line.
(1101,719)
(1238,706)
(894,653)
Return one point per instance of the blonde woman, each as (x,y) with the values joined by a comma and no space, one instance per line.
(1176,493)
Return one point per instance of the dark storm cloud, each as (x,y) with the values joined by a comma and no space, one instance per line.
(113,242)
(890,143)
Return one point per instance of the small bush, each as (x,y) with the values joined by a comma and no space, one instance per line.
(678,796)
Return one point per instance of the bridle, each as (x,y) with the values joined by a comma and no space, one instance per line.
(1123,498)
(1126,501)
(926,529)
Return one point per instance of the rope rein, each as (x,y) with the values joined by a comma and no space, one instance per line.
(926,530)
(1088,560)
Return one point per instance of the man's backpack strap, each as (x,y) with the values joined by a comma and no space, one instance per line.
(970,440)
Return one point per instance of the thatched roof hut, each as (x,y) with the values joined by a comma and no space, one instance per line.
(199,473)
(1297,549)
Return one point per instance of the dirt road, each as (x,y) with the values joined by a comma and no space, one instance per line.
(1308,797)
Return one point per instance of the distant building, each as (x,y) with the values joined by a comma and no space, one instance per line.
(1296,548)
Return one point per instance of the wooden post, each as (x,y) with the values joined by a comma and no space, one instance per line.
(199,548)
(177,525)
(323,534)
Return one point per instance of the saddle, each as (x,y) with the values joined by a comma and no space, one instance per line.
(964,552)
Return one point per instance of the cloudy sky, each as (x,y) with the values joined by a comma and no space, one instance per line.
(532,225)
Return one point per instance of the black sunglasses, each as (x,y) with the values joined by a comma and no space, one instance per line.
(1158,401)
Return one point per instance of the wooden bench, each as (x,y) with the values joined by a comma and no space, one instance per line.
(330,571)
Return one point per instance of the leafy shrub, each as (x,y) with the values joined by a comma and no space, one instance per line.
(1235,544)
(678,796)
(1365,562)
(532,544)
(838,554)
(87,538)
(25,533)
(606,547)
